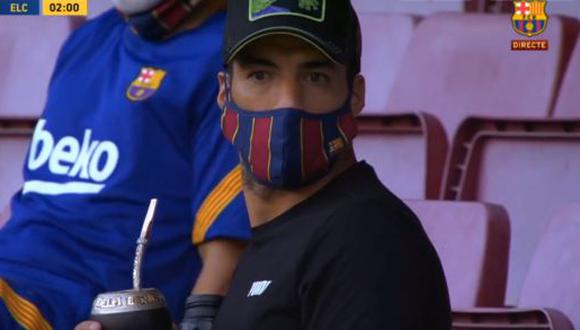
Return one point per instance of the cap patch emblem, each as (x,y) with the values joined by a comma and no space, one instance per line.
(311,9)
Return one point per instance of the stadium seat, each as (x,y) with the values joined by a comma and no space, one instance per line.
(407,151)
(390,6)
(459,65)
(385,41)
(14,139)
(97,7)
(30,45)
(4,215)
(472,240)
(549,297)
(528,166)
(568,8)
(507,319)
(568,104)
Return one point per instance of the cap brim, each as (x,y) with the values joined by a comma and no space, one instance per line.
(282,30)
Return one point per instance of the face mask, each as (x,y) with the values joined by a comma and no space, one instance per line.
(288,148)
(156,19)
(131,7)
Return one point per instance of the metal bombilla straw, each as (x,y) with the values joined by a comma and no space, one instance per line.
(137,308)
(142,243)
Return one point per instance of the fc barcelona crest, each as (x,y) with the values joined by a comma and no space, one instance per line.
(146,84)
(529,18)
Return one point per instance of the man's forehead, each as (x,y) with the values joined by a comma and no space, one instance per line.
(281,45)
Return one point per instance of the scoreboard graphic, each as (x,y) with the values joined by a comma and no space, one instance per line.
(44,7)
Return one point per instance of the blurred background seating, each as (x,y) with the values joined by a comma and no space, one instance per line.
(549,298)
(472,240)
(531,167)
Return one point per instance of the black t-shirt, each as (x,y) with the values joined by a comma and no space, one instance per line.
(352,256)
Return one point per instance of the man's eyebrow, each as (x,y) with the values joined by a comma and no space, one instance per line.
(318,64)
(249,60)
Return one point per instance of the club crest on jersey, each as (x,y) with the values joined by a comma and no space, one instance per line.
(529,18)
(146,84)
(310,9)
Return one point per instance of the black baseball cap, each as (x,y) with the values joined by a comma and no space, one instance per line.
(330,25)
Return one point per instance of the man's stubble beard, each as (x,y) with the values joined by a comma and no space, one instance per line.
(251,185)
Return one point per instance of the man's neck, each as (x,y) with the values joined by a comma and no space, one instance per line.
(203,11)
(265,204)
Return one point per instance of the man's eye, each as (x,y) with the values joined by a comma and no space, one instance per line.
(259,75)
(317,78)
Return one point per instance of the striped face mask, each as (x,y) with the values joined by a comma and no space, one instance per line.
(156,19)
(288,148)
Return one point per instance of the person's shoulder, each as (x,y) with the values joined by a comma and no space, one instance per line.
(107,19)
(376,225)
(85,42)
(206,39)
(95,30)
(378,211)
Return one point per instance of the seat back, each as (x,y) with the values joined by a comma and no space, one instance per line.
(4,215)
(529,167)
(426,8)
(384,43)
(461,64)
(407,151)
(472,240)
(15,137)
(568,103)
(30,46)
(98,7)
(553,279)
(510,318)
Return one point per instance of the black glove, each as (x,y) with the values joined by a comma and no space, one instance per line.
(200,311)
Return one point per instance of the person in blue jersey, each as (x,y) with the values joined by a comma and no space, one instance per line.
(130,116)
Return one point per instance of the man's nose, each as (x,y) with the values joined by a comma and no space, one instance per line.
(291,95)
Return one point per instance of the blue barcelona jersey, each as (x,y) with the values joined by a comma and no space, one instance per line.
(126,120)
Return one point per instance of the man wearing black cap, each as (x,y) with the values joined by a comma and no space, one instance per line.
(332,248)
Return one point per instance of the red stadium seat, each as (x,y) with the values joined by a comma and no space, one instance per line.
(30,46)
(530,167)
(507,319)
(553,279)
(552,283)
(407,151)
(385,41)
(568,104)
(4,215)
(14,139)
(461,64)
(472,240)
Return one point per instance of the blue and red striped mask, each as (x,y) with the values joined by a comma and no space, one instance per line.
(156,19)
(288,148)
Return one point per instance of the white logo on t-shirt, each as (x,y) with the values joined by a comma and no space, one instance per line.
(92,161)
(258,288)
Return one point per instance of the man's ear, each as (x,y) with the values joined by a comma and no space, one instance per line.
(221,97)
(357,101)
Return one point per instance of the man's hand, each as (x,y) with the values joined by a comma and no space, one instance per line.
(88,325)
(220,258)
